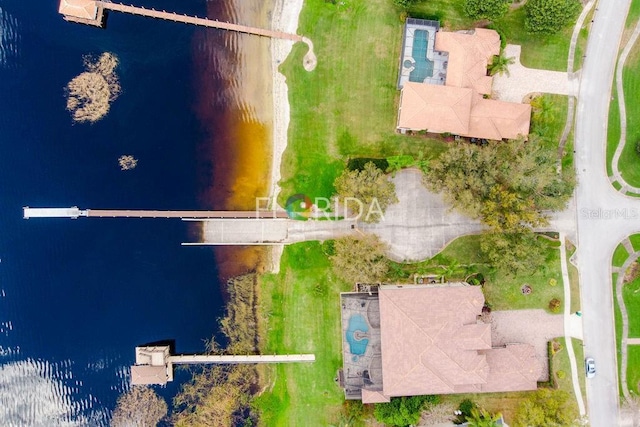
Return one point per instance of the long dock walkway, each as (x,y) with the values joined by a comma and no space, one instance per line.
(194,359)
(74,212)
(171,16)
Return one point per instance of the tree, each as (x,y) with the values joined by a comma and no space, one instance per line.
(368,191)
(555,305)
(506,185)
(403,411)
(500,64)
(546,407)
(550,16)
(216,396)
(482,418)
(139,407)
(485,9)
(514,252)
(360,259)
(90,94)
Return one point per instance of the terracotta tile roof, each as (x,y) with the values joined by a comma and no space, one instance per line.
(146,374)
(86,9)
(469,55)
(436,108)
(492,119)
(458,107)
(432,344)
(370,396)
(514,367)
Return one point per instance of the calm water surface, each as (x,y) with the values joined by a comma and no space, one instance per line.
(76,297)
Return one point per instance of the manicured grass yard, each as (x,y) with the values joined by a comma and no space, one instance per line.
(613,129)
(633,368)
(631,295)
(561,363)
(348,105)
(300,313)
(574,278)
(635,241)
(502,289)
(538,50)
(629,163)
(620,255)
(505,403)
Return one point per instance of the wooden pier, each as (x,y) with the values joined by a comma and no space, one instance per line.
(193,20)
(74,213)
(154,364)
(94,12)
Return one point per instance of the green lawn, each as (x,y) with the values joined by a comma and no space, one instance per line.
(348,105)
(574,278)
(629,163)
(578,350)
(613,129)
(618,322)
(538,50)
(505,403)
(631,295)
(561,363)
(620,255)
(300,313)
(633,368)
(502,289)
(549,123)
(581,46)
(635,241)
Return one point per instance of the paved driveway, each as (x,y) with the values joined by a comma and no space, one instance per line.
(421,224)
(522,80)
(535,327)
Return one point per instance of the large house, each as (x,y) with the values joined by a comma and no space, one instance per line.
(444,81)
(426,339)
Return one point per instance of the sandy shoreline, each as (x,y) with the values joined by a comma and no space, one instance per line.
(285,18)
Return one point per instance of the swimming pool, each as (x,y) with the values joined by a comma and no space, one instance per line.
(423,66)
(357,346)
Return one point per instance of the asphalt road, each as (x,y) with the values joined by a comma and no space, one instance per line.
(604,217)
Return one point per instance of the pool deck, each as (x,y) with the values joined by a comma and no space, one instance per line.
(439,59)
(361,370)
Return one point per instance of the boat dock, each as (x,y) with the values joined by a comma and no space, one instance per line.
(93,12)
(74,212)
(154,364)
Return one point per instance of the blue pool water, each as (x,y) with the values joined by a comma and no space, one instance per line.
(423,66)
(357,322)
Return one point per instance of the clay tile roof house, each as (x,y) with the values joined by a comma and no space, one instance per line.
(418,339)
(443,77)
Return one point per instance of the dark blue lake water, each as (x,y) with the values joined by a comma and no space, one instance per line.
(76,296)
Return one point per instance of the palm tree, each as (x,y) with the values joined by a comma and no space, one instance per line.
(500,64)
(482,418)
